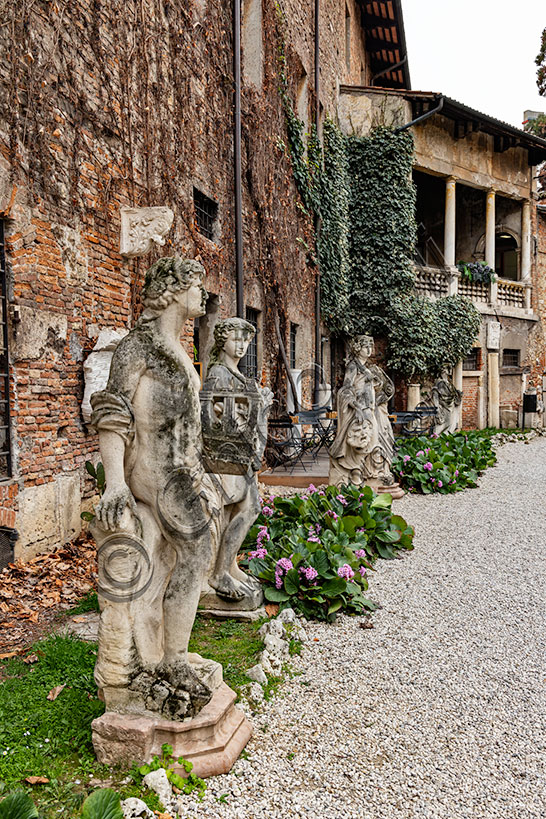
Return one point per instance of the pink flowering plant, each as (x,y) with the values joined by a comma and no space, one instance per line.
(446,463)
(314,551)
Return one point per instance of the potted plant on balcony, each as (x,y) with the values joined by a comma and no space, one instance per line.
(478,272)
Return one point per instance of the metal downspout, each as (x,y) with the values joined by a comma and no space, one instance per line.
(316,385)
(239,289)
(422,118)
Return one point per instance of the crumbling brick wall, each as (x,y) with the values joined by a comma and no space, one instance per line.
(107,104)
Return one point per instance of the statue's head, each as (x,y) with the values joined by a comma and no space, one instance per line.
(168,277)
(360,347)
(232,337)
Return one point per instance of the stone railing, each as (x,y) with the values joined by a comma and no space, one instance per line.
(476,291)
(435,282)
(432,282)
(511,294)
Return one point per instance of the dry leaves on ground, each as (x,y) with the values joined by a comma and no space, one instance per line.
(32,593)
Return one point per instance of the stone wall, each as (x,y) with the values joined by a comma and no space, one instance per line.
(111,104)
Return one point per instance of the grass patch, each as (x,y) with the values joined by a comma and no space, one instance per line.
(236,645)
(52,738)
(89,602)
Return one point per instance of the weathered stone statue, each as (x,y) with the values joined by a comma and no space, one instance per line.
(152,524)
(363,448)
(234,412)
(447,400)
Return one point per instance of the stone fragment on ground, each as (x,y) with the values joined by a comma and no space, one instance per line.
(134,808)
(157,782)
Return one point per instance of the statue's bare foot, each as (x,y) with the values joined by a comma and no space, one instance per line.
(228,588)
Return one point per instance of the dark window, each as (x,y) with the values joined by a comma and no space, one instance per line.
(293,335)
(510,358)
(472,360)
(206,211)
(5,438)
(506,257)
(249,364)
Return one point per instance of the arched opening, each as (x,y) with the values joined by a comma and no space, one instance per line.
(506,256)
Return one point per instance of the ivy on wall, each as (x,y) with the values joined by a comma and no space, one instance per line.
(363,196)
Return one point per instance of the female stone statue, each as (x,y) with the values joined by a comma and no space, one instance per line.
(240,500)
(363,448)
(152,523)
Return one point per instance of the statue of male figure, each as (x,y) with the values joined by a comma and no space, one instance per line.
(152,521)
(240,500)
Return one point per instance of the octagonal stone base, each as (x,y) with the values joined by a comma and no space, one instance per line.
(212,740)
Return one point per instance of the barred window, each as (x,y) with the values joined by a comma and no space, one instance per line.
(472,360)
(206,211)
(5,438)
(510,358)
(249,364)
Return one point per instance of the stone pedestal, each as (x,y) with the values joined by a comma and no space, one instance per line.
(212,740)
(253,600)
(395,490)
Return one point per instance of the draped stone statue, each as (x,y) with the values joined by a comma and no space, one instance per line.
(234,413)
(363,448)
(152,524)
(447,399)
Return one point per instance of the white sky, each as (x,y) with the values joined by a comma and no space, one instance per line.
(479,52)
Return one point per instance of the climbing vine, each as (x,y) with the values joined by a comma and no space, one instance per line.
(363,195)
(333,246)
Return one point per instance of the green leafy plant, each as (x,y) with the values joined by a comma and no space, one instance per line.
(98,474)
(445,464)
(479,272)
(191,784)
(312,551)
(18,806)
(102,804)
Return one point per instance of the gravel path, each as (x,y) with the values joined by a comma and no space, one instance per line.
(439,710)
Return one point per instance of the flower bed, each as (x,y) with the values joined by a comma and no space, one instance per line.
(448,463)
(313,551)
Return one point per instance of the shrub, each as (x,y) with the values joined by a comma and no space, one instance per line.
(448,463)
(312,551)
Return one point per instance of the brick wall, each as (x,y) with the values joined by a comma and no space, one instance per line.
(106,104)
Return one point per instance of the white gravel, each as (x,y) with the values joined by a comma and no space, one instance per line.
(439,710)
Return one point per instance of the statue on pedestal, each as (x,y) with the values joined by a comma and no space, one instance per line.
(234,420)
(152,524)
(364,445)
(447,399)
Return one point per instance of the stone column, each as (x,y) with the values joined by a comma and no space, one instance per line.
(449,223)
(493,384)
(490,240)
(458,384)
(481,404)
(414,396)
(525,240)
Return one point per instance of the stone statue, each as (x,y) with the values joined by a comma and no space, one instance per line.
(363,448)
(234,412)
(447,400)
(152,524)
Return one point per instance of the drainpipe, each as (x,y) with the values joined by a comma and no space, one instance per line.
(316,385)
(239,291)
(422,118)
(386,70)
